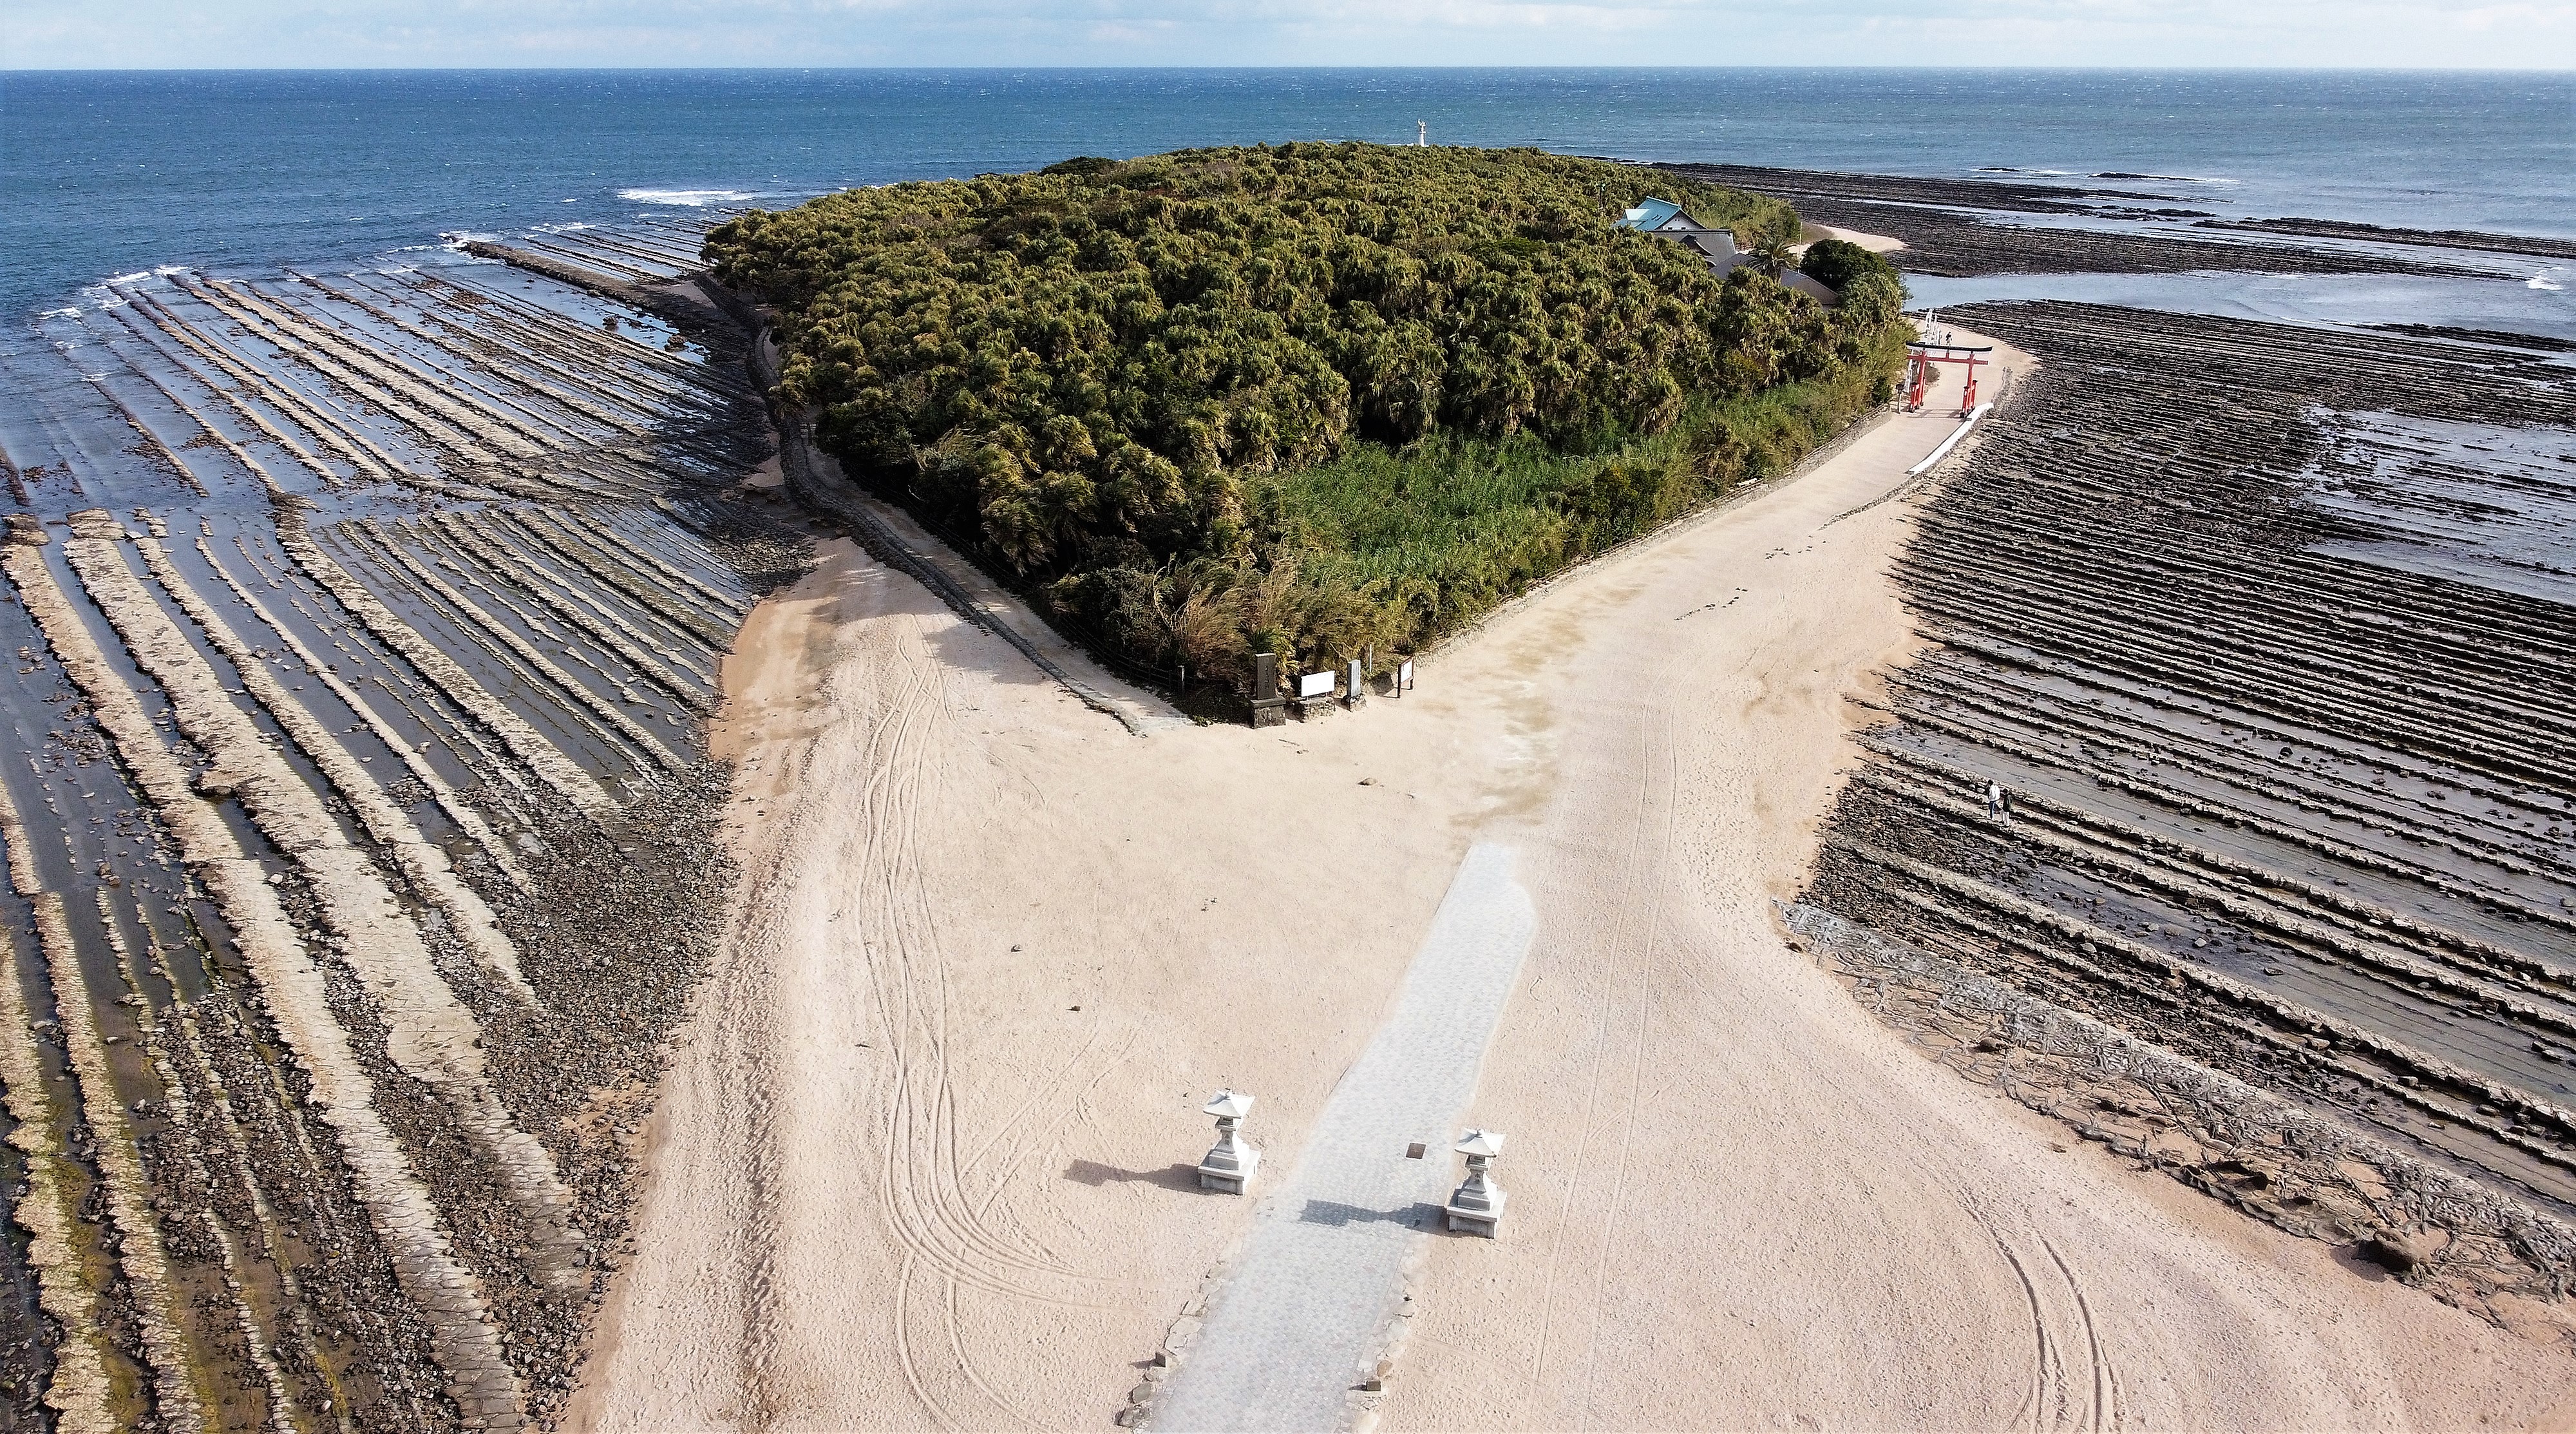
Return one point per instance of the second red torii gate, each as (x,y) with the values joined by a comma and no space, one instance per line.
(1922,354)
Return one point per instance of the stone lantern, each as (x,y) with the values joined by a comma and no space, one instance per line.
(1230,1163)
(1477,1206)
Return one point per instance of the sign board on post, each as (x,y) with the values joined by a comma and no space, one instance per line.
(1315,684)
(1404,677)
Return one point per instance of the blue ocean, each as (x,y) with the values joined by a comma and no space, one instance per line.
(109,173)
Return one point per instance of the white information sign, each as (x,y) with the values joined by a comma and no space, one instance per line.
(1315,684)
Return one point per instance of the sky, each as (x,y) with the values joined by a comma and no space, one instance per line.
(249,34)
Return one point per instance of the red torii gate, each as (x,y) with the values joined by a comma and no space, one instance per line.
(1922,354)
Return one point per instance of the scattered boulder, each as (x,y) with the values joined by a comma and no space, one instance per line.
(2402,1252)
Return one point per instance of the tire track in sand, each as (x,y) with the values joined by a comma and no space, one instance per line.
(1608,975)
(926,1201)
(1650,903)
(2061,1318)
(895,765)
(2047,1373)
(931,1208)
(2105,1412)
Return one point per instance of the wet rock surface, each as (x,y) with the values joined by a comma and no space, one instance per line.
(2387,1212)
(2245,732)
(362,856)
(1959,228)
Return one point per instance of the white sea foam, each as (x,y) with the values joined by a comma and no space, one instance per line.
(2129,174)
(2166,178)
(687,198)
(136,277)
(70,313)
(2544,283)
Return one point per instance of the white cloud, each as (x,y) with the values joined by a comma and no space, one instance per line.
(430,33)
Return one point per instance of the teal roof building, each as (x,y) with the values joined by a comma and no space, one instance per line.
(1652,214)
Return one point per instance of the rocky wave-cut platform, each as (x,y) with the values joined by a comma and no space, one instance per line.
(2265,638)
(1962,228)
(360,844)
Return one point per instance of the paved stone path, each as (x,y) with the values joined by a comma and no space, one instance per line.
(1300,1317)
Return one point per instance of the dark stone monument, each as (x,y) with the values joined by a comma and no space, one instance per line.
(1269,709)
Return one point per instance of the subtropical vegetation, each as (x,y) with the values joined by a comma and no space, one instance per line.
(1317,399)
(1835,263)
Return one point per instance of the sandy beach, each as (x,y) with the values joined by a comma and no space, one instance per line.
(923,1157)
(1874,243)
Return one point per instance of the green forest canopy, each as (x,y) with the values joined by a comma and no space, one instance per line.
(1307,398)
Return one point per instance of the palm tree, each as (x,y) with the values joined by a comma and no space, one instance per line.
(1774,255)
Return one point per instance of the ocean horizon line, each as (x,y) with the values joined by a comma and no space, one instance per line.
(2066,69)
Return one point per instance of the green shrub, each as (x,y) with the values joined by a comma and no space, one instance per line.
(1326,396)
(1399,546)
(1834,263)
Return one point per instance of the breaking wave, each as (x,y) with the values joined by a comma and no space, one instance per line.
(687,198)
(2167,178)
